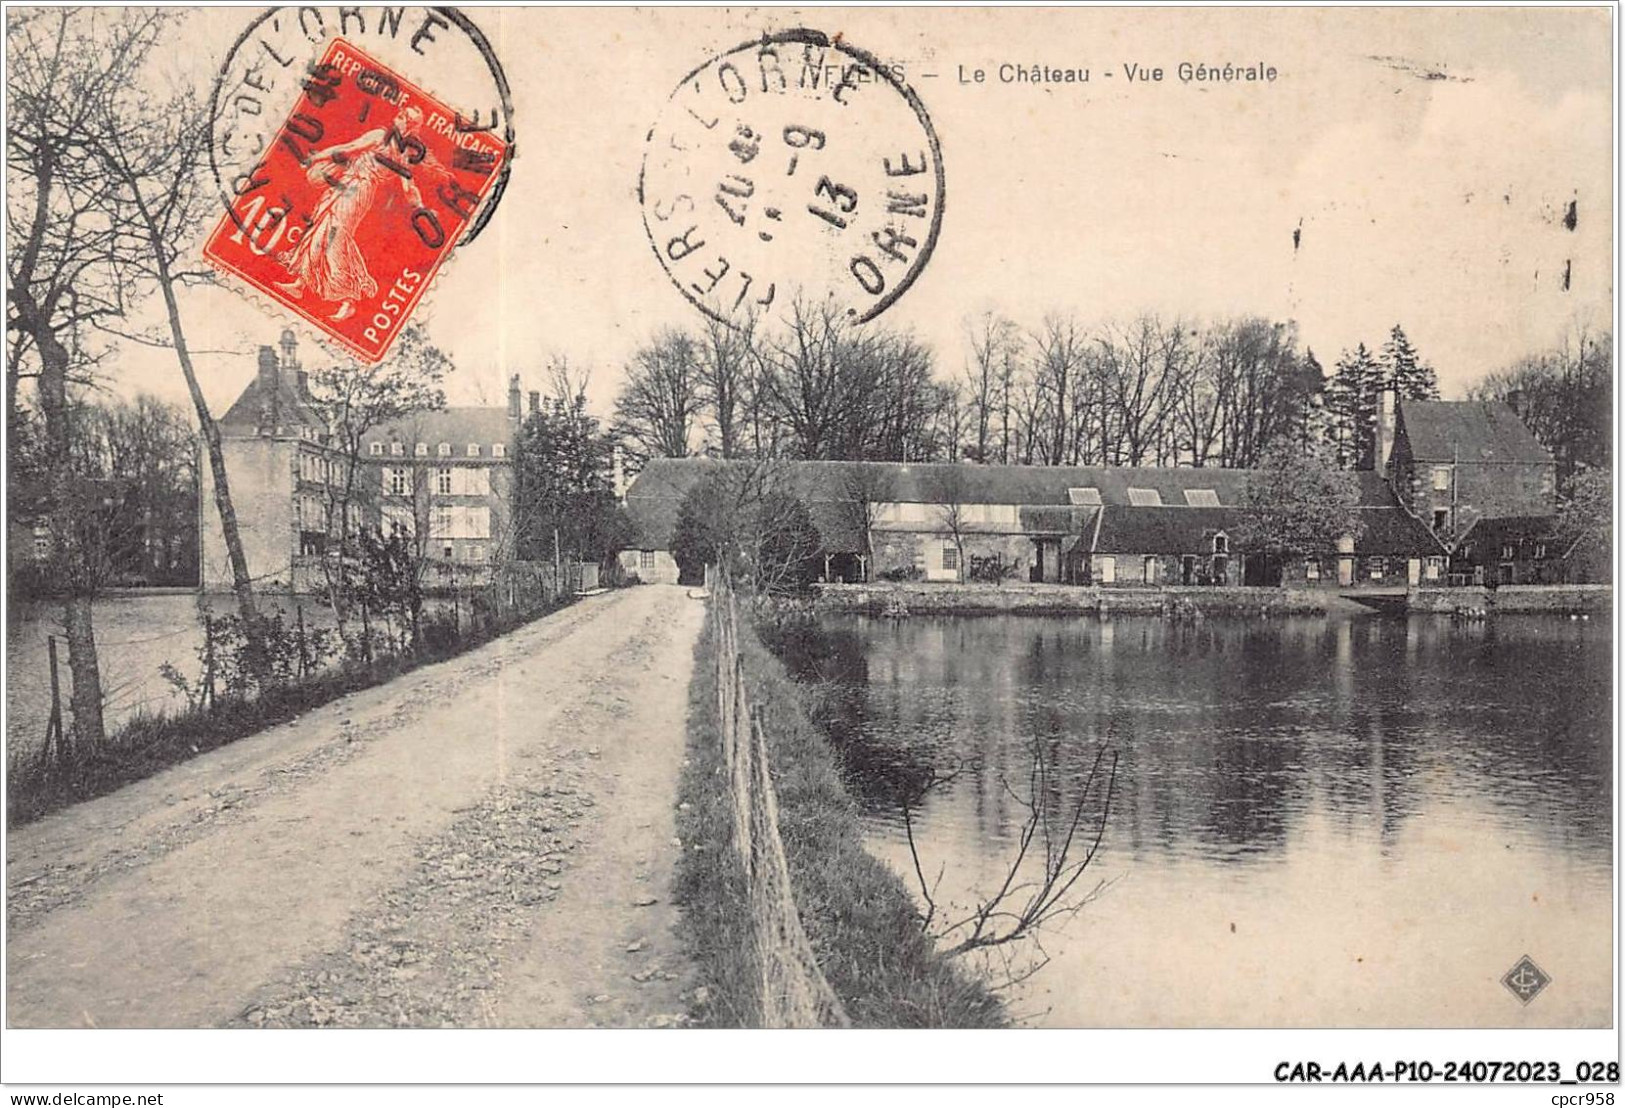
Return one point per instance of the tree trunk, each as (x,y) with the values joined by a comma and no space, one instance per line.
(89,732)
(89,728)
(242,586)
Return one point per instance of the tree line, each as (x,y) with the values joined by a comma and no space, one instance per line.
(810,384)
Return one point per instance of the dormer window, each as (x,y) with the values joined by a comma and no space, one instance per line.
(1145,498)
(499,450)
(473,450)
(1221,543)
(444,450)
(377,448)
(422,450)
(1201,498)
(1082,496)
(396,449)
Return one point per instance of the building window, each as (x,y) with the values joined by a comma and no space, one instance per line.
(1508,550)
(473,450)
(1441,518)
(1221,543)
(422,450)
(396,449)
(447,552)
(1311,569)
(1378,567)
(1540,550)
(397,520)
(1108,570)
(1435,567)
(499,450)
(1441,478)
(1083,496)
(400,480)
(1148,571)
(1548,481)
(444,450)
(442,481)
(1202,498)
(646,559)
(1145,498)
(950,558)
(377,448)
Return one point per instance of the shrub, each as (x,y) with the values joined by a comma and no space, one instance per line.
(991,569)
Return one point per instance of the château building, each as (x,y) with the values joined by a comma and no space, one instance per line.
(443,478)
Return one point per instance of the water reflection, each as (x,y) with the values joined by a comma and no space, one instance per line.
(1399,747)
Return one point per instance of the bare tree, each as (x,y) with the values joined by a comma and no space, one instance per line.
(662,396)
(949,490)
(726,365)
(1043,883)
(352,402)
(995,345)
(154,153)
(1062,403)
(867,489)
(63,269)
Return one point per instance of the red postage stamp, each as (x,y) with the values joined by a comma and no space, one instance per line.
(359,199)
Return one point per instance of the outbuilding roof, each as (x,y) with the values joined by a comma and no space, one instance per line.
(833,491)
(1467,431)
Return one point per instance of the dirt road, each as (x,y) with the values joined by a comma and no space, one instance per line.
(484,842)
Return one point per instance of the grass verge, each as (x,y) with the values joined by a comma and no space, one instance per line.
(148,744)
(858,914)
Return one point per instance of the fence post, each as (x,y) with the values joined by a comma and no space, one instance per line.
(304,661)
(53,726)
(208,659)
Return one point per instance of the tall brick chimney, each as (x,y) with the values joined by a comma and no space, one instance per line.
(269,380)
(513,397)
(1386,429)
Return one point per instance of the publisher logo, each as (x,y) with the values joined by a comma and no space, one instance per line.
(1526,980)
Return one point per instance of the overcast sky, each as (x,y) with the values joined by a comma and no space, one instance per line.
(1427,155)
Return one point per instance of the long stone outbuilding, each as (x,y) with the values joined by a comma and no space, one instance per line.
(1083,525)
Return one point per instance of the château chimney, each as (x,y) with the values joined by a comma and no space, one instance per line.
(513,397)
(1386,429)
(535,402)
(269,382)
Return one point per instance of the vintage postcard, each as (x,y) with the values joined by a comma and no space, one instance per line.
(1087,518)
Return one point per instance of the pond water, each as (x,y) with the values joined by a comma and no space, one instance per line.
(1351,821)
(135,635)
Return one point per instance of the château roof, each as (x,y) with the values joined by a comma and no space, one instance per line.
(457,426)
(294,404)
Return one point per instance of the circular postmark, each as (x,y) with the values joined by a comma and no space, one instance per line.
(268,66)
(792,164)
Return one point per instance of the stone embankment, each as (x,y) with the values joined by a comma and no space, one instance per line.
(1175,601)
(1514,599)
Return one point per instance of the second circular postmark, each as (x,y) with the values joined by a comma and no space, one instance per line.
(793,164)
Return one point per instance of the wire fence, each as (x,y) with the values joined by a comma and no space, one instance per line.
(792,990)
